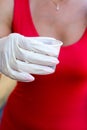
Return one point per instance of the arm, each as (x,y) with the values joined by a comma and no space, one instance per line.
(6,12)
(7,85)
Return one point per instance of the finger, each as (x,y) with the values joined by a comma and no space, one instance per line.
(38,46)
(19,76)
(36,58)
(14,73)
(34,68)
(50,41)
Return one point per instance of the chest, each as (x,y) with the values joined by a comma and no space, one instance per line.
(66,24)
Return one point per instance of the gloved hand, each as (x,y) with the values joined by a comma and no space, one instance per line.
(20,57)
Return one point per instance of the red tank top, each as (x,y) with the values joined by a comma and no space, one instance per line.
(52,102)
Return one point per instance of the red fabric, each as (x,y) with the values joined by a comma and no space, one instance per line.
(52,102)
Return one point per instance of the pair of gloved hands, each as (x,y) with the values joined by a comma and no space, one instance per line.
(20,56)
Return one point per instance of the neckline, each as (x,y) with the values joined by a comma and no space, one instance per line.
(37,34)
(78,41)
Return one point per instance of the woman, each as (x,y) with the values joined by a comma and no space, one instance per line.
(57,101)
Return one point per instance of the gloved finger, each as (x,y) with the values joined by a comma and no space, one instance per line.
(33,68)
(49,40)
(19,76)
(14,73)
(36,58)
(35,45)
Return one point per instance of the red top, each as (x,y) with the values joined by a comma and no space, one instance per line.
(52,102)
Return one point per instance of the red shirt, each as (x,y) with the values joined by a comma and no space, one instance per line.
(52,102)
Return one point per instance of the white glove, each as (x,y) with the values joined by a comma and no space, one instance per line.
(22,56)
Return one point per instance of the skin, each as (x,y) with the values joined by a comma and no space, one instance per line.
(68,24)
(7,85)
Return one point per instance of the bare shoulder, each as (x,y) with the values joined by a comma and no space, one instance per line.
(6,14)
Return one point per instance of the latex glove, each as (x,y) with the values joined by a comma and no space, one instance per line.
(22,56)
